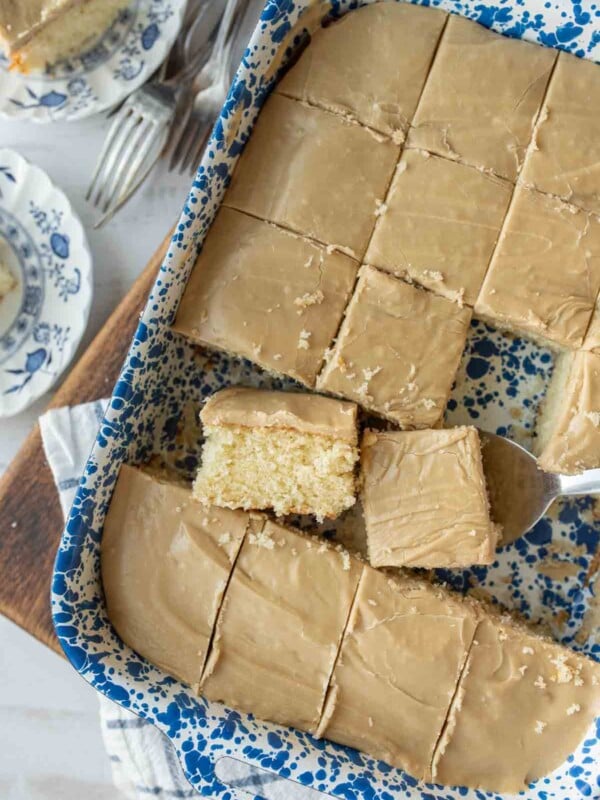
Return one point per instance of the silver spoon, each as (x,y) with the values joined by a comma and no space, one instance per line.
(519,491)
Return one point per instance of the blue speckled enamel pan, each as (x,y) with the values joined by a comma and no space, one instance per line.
(546,575)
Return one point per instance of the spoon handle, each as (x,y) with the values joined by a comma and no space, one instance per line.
(587,482)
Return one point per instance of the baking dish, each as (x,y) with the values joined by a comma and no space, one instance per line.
(548,574)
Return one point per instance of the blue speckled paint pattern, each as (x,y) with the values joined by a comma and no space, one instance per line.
(163,381)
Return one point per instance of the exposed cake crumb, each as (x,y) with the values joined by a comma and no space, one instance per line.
(380,208)
(277,357)
(309,299)
(523,669)
(371,602)
(539,726)
(528,651)
(434,274)
(225,538)
(370,720)
(573,709)
(594,417)
(539,682)
(303,340)
(261,539)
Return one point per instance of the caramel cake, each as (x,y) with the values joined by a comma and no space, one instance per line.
(397,351)
(290,452)
(425,500)
(34,33)
(284,625)
(392,146)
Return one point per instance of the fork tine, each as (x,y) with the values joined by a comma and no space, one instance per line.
(186,141)
(196,134)
(178,131)
(195,161)
(126,197)
(139,130)
(155,138)
(113,131)
(113,156)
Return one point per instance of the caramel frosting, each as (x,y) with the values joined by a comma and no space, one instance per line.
(565,158)
(440,224)
(397,351)
(266,294)
(370,65)
(21,19)
(280,626)
(545,273)
(523,705)
(258,408)
(425,500)
(592,337)
(574,445)
(398,667)
(313,172)
(166,560)
(482,97)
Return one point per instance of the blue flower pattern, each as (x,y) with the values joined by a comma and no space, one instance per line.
(41,341)
(498,386)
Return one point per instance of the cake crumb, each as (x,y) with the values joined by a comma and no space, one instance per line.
(261,539)
(380,208)
(527,651)
(573,709)
(370,722)
(277,357)
(225,538)
(539,726)
(303,340)
(539,682)
(371,602)
(523,669)
(309,299)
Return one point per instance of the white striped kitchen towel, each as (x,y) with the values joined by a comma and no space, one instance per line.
(143,761)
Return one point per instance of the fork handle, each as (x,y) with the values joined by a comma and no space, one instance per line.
(587,482)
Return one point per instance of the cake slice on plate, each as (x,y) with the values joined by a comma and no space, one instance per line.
(34,33)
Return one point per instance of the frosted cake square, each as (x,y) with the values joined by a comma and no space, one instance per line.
(545,274)
(266,294)
(482,98)
(379,86)
(439,225)
(425,500)
(313,172)
(397,351)
(565,160)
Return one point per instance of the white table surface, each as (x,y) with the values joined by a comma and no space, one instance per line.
(50,744)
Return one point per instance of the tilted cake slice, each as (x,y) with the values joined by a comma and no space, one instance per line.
(286,451)
(425,499)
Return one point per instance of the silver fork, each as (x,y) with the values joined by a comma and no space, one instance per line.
(189,138)
(139,131)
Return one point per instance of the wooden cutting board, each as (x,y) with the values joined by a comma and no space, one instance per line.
(31,519)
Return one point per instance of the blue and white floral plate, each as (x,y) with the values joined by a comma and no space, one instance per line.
(548,574)
(121,60)
(42,319)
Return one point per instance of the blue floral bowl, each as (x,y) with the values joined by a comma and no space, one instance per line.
(43,318)
(121,60)
(163,382)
